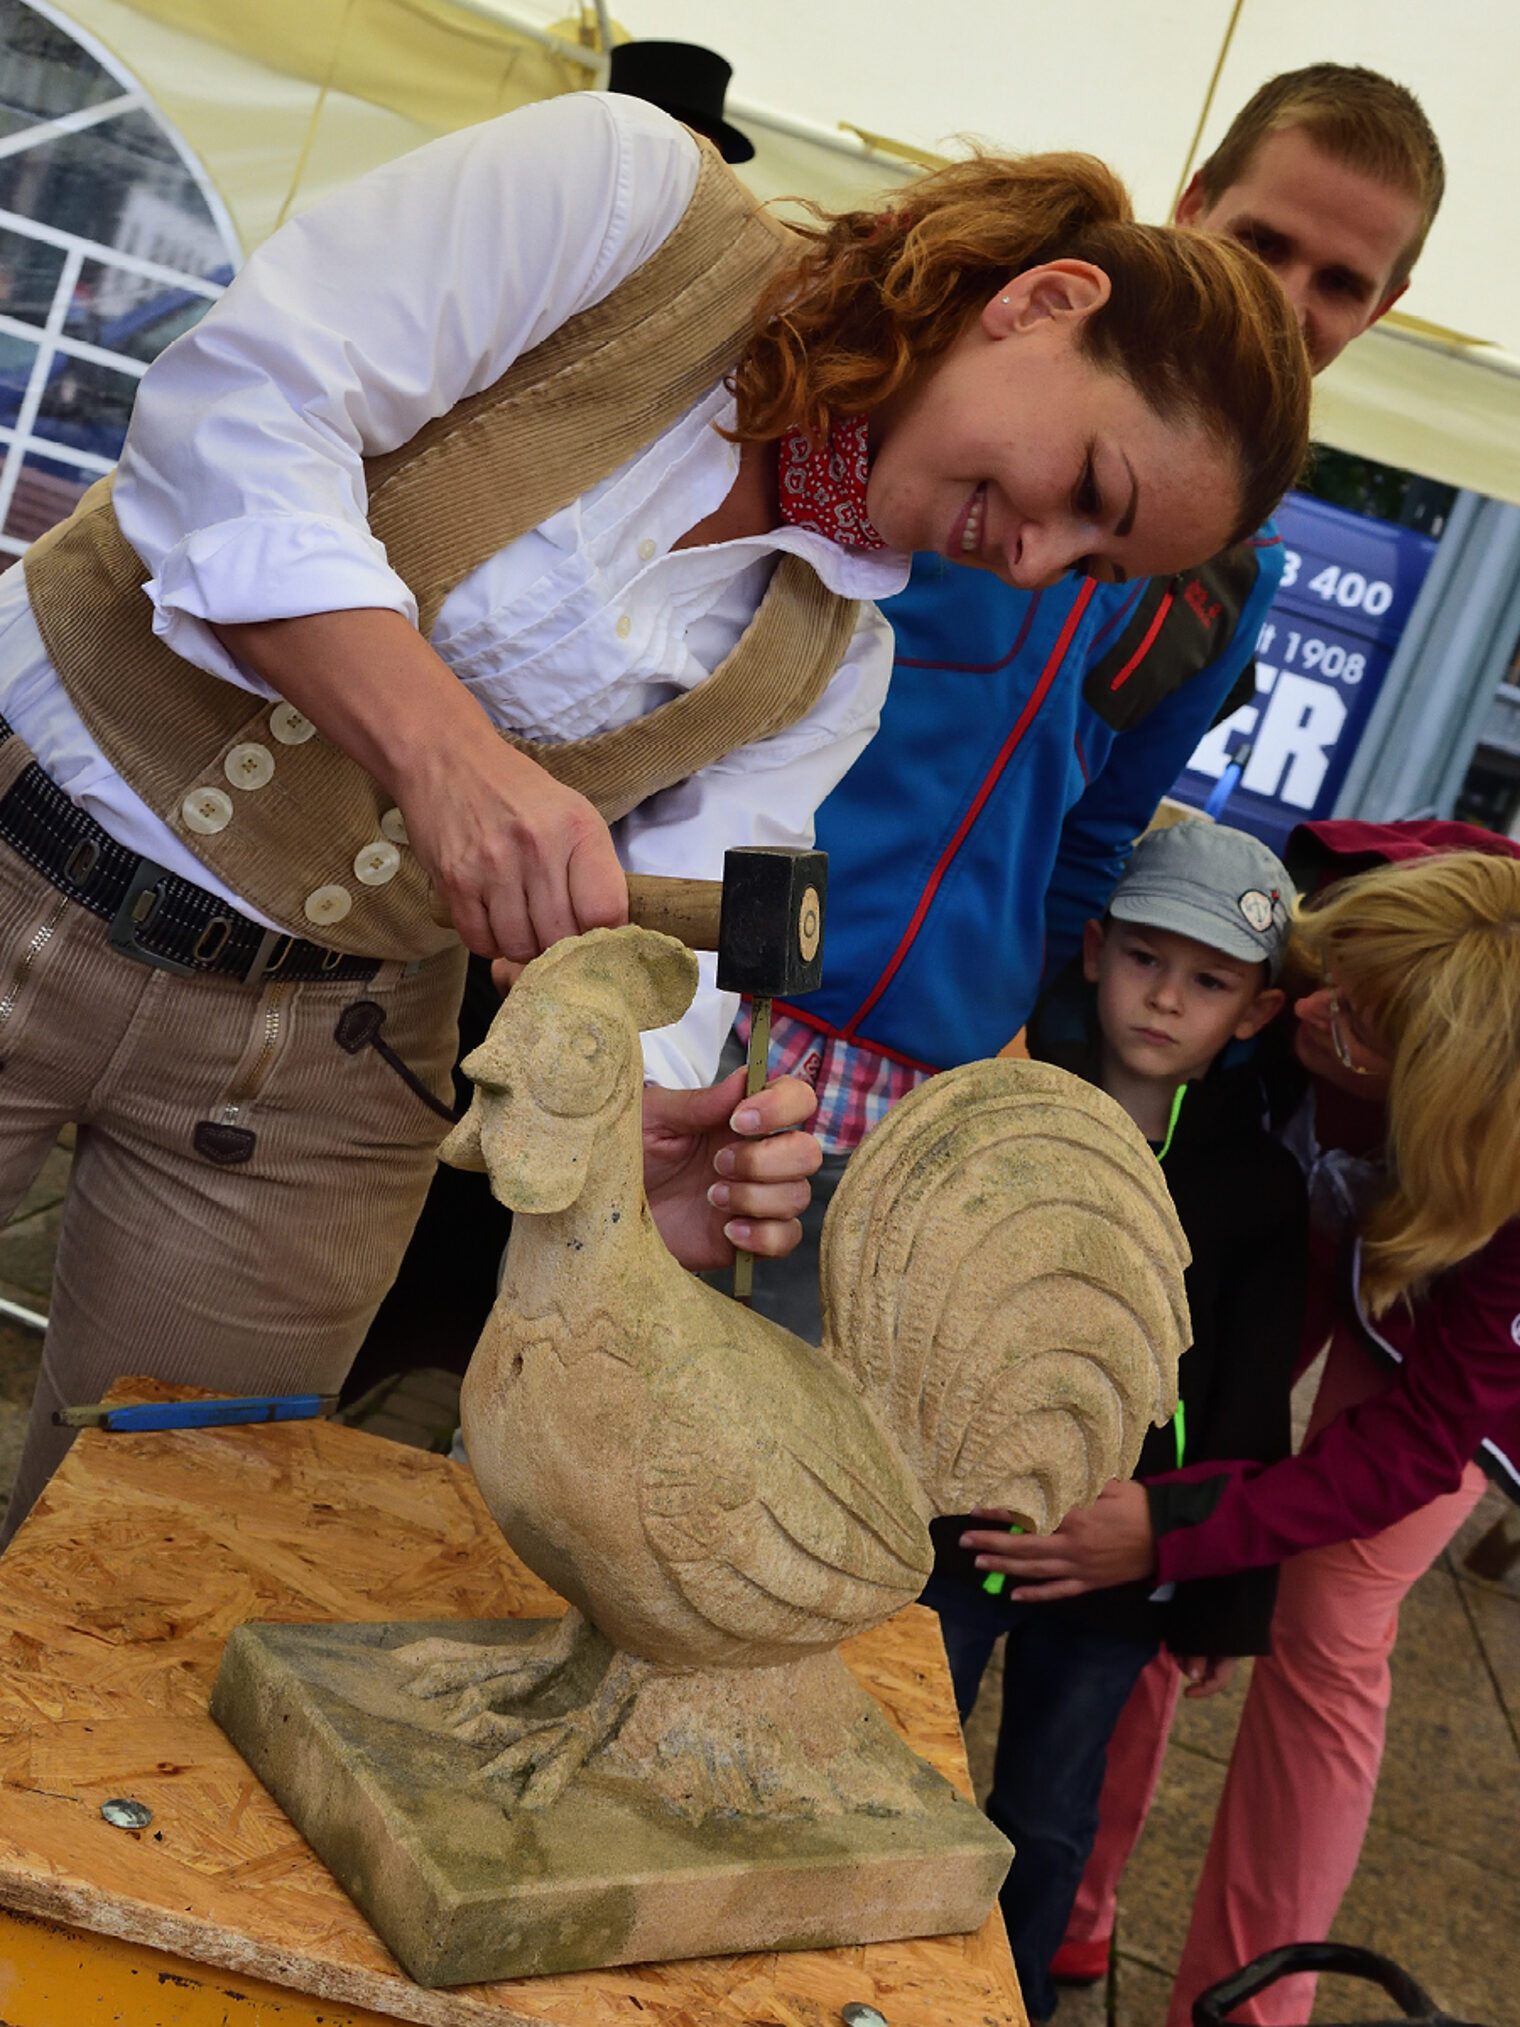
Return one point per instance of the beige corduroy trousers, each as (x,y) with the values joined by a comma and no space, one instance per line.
(251,1275)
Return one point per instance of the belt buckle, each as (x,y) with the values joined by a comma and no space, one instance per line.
(263,964)
(139,904)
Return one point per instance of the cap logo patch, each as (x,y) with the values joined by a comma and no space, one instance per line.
(1257,909)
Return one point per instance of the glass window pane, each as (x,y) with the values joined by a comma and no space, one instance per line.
(29,270)
(1489,797)
(1380,491)
(120,183)
(45,493)
(125,312)
(86,405)
(16,358)
(43,71)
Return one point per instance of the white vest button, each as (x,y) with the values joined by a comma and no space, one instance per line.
(393,826)
(624,627)
(328,904)
(289,727)
(646,550)
(249,765)
(206,810)
(377,863)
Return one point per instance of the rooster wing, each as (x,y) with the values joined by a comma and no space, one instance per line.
(773,1501)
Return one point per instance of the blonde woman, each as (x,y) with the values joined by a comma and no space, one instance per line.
(1408,1026)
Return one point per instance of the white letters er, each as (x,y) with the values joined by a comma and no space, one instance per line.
(1300,721)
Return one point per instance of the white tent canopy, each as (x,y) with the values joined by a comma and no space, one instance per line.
(1130,82)
(1152,88)
(280,103)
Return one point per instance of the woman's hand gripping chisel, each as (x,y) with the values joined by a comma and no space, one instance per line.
(770,946)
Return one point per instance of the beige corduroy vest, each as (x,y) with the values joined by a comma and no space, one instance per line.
(290,822)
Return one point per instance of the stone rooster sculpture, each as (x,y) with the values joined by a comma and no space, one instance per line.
(722,1503)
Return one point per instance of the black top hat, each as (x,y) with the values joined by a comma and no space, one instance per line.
(685,81)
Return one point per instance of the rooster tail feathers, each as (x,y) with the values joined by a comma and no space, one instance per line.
(1002,1278)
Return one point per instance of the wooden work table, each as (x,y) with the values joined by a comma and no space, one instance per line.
(115,1599)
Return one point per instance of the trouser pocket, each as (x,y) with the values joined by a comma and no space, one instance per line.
(359,1027)
(301,1065)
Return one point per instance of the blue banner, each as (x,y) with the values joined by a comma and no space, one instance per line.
(1321,656)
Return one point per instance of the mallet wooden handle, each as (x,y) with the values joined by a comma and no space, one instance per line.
(689,910)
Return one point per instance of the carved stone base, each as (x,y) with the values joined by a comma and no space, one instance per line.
(461,1890)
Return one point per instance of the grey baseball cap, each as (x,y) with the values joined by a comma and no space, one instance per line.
(1222,887)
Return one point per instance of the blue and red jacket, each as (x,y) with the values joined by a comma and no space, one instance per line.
(1025,742)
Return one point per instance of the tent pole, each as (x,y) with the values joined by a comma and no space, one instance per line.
(1208,105)
(572,52)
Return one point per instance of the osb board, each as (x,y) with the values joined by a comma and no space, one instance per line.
(53,1976)
(115,1599)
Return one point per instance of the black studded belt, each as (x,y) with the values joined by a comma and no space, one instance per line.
(153,915)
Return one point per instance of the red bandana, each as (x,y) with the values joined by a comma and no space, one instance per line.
(825,489)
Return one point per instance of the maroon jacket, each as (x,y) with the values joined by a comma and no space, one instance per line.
(1453,1358)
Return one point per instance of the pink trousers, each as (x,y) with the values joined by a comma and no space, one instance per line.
(1303,1773)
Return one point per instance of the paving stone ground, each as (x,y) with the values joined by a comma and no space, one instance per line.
(1439,1884)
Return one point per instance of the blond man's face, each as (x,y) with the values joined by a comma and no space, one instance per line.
(1332,235)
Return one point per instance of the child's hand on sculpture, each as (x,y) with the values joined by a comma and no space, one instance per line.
(1109,1542)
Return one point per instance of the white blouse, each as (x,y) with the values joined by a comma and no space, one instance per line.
(242,488)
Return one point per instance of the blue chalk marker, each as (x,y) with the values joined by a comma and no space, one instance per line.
(133,1417)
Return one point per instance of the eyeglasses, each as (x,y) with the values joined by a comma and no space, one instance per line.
(1336,1013)
(1343,1054)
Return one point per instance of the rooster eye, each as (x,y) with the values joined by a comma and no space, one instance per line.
(572,1069)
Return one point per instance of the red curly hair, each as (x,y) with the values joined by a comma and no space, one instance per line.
(1198,326)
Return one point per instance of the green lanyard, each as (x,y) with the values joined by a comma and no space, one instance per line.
(1171,1125)
(995,1580)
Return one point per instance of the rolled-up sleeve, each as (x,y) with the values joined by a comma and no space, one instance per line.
(242,483)
(764,794)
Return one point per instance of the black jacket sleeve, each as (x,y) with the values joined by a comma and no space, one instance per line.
(1256,1324)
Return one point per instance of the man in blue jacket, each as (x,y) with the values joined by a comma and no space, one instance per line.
(1029,734)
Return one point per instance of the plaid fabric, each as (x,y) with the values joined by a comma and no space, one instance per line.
(856,1087)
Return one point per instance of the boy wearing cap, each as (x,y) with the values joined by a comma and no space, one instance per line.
(1162,1010)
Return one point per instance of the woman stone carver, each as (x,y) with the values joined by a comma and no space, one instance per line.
(498,439)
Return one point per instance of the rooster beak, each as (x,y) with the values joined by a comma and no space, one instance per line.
(488,1066)
(461,1147)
